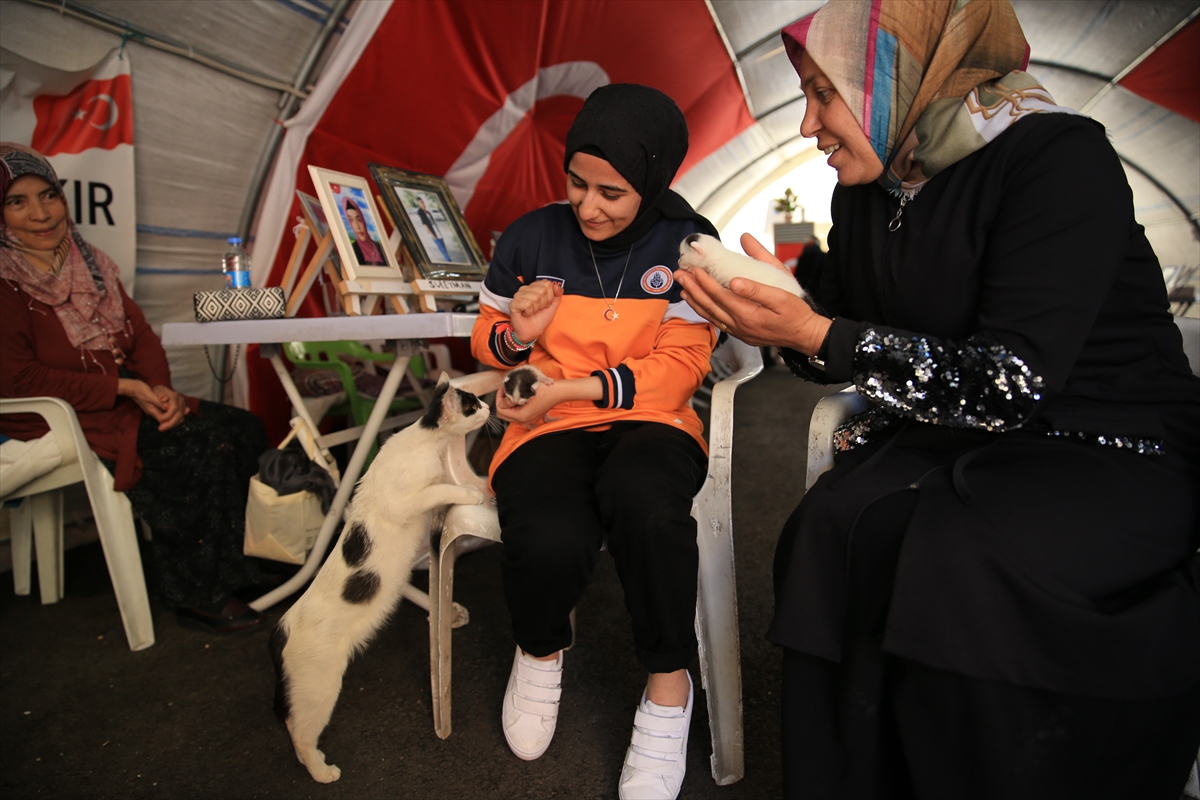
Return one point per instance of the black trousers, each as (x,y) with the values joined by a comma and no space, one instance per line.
(879,727)
(561,496)
(192,494)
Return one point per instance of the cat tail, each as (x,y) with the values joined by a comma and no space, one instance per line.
(278,641)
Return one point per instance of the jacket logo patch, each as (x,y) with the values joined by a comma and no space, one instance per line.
(657,280)
(552,279)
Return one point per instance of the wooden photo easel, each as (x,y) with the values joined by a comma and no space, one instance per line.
(357,298)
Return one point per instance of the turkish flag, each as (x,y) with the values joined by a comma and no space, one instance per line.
(97,114)
(486,92)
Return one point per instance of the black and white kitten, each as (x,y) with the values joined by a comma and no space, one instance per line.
(359,585)
(522,383)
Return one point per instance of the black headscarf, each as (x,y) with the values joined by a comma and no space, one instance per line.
(643,134)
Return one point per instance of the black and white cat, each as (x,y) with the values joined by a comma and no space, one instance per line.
(360,584)
(700,251)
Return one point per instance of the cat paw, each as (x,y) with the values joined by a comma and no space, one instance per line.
(328,774)
(321,772)
(478,498)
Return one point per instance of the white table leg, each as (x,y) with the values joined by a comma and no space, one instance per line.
(289,386)
(349,479)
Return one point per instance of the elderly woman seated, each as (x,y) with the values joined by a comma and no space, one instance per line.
(71,331)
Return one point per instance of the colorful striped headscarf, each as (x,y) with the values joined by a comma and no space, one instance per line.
(929,81)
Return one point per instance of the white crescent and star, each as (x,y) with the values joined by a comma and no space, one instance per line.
(114,113)
(573,78)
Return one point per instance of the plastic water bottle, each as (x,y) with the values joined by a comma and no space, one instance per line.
(236,266)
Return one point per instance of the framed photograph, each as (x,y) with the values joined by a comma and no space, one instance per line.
(314,214)
(356,225)
(431,224)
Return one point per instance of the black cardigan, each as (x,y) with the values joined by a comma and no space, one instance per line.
(1017,305)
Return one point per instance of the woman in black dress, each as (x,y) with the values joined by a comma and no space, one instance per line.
(994,592)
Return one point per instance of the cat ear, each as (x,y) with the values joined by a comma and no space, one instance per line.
(450,402)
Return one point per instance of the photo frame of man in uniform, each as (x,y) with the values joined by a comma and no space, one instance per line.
(431,224)
(356,225)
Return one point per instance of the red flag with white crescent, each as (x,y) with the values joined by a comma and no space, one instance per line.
(485,93)
(98,113)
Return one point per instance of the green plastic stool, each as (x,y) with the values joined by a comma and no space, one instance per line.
(327,355)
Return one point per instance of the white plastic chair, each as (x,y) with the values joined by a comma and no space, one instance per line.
(40,519)
(830,412)
(716,606)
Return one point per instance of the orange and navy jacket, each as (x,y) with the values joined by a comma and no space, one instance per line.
(650,359)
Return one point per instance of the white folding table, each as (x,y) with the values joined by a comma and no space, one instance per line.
(405,331)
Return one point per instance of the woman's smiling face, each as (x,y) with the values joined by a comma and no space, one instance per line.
(35,213)
(604,202)
(838,135)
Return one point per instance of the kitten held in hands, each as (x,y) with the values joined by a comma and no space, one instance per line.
(522,383)
(700,251)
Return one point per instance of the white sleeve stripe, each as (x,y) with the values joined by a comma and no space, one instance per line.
(683,311)
(497,302)
(618,389)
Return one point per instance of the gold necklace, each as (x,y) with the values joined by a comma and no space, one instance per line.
(611,314)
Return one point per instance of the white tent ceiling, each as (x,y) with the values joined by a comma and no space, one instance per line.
(1078,49)
(204,131)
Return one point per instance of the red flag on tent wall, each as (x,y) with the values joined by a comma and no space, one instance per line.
(483,93)
(90,116)
(83,123)
(1170,76)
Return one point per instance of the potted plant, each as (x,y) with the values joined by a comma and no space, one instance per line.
(786,205)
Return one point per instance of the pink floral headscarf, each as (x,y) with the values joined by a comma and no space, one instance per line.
(85,294)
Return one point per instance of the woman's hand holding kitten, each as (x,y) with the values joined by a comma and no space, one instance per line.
(533,411)
(528,396)
(753,312)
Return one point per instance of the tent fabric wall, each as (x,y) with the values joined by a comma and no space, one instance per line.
(198,133)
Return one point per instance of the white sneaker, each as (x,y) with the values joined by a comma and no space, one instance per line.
(531,704)
(657,755)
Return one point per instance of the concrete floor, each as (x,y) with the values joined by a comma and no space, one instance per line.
(82,716)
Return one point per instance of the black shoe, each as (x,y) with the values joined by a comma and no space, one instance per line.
(233,617)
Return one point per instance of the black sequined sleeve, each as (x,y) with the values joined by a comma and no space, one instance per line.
(975,384)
